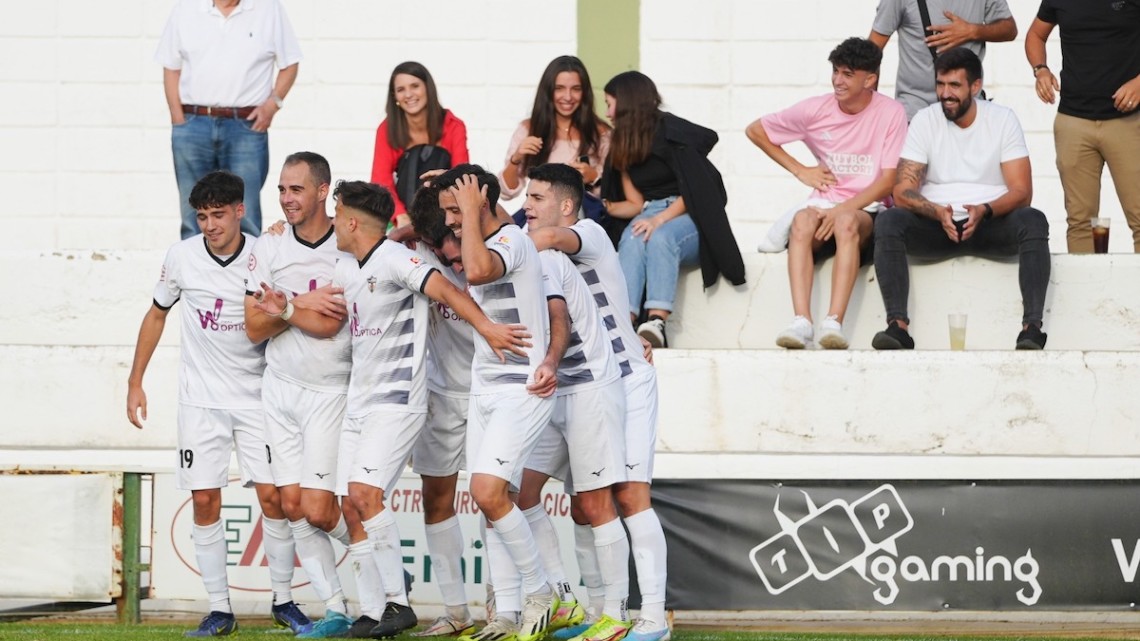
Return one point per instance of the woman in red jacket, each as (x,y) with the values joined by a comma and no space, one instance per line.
(414,117)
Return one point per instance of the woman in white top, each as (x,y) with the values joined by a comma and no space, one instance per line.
(562,128)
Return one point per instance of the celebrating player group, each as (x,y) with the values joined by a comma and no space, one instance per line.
(330,355)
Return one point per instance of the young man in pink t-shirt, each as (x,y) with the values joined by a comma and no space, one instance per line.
(856,134)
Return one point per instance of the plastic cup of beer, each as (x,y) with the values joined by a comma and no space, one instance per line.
(1100,235)
(957,331)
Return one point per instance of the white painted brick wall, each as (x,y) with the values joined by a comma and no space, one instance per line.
(724,63)
(86,131)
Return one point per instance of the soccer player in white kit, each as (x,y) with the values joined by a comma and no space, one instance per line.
(510,402)
(386,289)
(219,399)
(588,246)
(588,429)
(306,378)
(439,453)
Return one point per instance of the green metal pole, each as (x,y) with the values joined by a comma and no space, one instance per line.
(129,607)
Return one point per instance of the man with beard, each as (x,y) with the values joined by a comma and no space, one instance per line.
(964,187)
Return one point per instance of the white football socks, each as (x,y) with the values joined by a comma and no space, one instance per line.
(279,550)
(505,575)
(613,560)
(210,551)
(520,544)
(445,546)
(317,559)
(647,541)
(549,551)
(369,588)
(587,556)
(385,538)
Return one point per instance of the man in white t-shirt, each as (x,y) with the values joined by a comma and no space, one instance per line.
(591,250)
(855,133)
(511,401)
(964,186)
(218,59)
(305,382)
(386,290)
(219,395)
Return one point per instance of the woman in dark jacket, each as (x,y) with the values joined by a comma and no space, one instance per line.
(662,181)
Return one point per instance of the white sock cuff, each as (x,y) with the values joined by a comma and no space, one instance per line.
(382,520)
(534,513)
(361,548)
(340,532)
(442,526)
(207,534)
(609,533)
(512,519)
(644,518)
(302,529)
(276,528)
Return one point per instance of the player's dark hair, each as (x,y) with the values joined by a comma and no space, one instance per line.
(564,179)
(858,54)
(369,198)
(486,179)
(427,217)
(960,58)
(318,166)
(217,189)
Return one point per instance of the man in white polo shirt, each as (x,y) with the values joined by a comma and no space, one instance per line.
(218,58)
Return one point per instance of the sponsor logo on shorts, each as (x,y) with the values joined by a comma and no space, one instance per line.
(369,470)
(501,461)
(321,476)
(599,472)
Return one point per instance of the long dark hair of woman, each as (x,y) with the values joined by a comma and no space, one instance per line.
(542,117)
(398,135)
(635,120)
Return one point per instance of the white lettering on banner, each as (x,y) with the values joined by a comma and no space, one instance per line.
(1128,566)
(839,536)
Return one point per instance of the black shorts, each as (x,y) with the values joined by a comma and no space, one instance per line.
(866,254)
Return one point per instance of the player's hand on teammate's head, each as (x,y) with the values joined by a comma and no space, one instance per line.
(327,300)
(405,234)
(136,405)
(545,381)
(507,337)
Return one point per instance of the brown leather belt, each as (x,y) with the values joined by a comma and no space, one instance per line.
(218,112)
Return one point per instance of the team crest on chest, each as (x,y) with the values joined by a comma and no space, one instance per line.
(371,283)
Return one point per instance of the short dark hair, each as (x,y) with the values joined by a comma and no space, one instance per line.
(485,178)
(960,58)
(217,189)
(318,166)
(427,216)
(369,198)
(565,180)
(859,54)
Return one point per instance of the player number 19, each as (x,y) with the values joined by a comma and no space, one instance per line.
(185,458)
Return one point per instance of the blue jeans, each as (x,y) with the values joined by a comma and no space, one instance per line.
(653,267)
(203,144)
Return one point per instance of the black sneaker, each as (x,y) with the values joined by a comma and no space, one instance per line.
(396,619)
(893,337)
(288,615)
(362,627)
(1032,338)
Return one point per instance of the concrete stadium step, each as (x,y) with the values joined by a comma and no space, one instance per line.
(1091,304)
(98,298)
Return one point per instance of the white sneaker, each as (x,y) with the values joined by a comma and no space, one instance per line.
(831,334)
(797,336)
(653,330)
(538,610)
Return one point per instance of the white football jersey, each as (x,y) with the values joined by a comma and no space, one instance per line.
(451,340)
(288,263)
(219,368)
(589,361)
(597,261)
(388,322)
(516,297)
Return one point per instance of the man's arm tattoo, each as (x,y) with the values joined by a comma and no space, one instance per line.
(914,173)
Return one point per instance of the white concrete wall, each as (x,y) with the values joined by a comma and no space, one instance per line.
(724,63)
(85,128)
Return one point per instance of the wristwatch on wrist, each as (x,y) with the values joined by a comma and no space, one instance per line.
(1039,67)
(989,211)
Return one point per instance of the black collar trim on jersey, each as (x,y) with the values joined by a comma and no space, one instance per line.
(372,251)
(332,228)
(232,258)
(497,230)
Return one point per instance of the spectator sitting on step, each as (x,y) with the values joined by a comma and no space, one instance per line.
(964,186)
(856,133)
